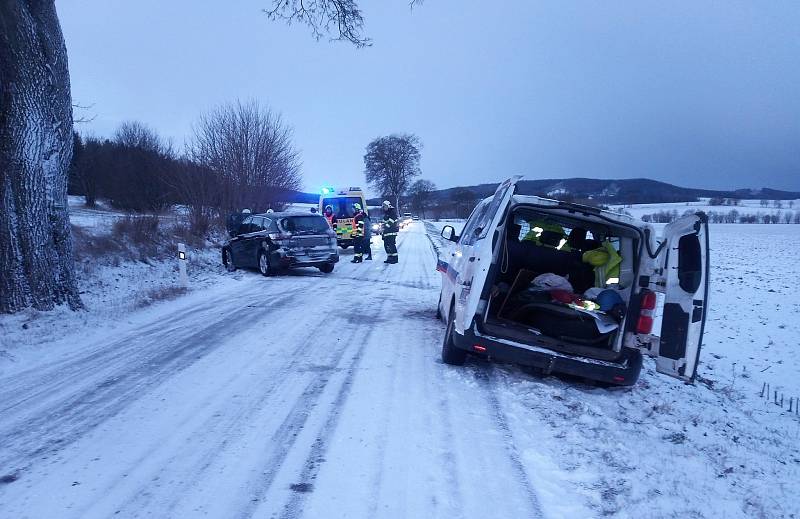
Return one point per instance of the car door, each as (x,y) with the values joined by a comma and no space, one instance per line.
(683,265)
(453,264)
(237,243)
(252,241)
(474,253)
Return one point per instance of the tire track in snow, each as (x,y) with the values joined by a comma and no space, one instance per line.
(68,419)
(316,457)
(223,430)
(33,384)
(487,378)
(284,438)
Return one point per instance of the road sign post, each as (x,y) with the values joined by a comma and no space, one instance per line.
(182,264)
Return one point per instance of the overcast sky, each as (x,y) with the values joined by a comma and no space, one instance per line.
(697,93)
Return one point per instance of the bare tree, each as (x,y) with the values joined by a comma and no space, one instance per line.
(251,150)
(36,267)
(391,163)
(199,189)
(337,19)
(36,122)
(140,162)
(420,194)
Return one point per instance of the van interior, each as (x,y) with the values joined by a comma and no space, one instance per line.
(523,307)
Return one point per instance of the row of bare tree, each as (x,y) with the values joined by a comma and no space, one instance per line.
(241,155)
(36,144)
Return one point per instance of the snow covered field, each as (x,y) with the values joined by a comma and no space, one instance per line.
(323,396)
(745,207)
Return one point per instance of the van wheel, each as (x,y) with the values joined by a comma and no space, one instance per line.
(227,260)
(450,354)
(327,268)
(263,264)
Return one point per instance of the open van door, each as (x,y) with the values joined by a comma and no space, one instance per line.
(474,253)
(684,266)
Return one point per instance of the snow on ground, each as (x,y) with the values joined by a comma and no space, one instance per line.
(308,395)
(745,207)
(113,283)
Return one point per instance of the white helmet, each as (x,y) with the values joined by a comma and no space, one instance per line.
(386,203)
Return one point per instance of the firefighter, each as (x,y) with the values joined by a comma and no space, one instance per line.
(358,233)
(390,230)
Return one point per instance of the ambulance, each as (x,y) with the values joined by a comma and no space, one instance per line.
(342,201)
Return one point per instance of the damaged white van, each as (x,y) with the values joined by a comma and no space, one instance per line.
(529,281)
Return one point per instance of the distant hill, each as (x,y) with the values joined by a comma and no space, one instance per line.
(622,191)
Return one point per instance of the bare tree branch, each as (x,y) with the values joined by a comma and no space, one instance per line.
(323,17)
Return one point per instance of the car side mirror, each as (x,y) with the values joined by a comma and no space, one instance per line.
(449,233)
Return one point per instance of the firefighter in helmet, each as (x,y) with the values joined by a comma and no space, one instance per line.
(391,227)
(358,233)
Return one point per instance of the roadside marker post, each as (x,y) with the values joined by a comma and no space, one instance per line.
(182,264)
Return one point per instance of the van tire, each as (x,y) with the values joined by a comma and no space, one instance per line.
(326,269)
(450,353)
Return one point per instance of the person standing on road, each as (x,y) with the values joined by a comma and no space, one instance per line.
(358,233)
(390,230)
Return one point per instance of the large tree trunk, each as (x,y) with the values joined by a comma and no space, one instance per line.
(36,267)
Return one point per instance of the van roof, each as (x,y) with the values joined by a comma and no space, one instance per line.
(572,207)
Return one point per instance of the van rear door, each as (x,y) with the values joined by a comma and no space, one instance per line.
(684,266)
(475,245)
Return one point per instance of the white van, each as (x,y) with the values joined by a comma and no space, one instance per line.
(493,305)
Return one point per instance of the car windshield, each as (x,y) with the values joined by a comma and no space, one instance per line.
(342,206)
(305,224)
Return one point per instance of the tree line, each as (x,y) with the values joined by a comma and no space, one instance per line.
(732,216)
(241,154)
(36,146)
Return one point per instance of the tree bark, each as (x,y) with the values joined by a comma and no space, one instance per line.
(36,266)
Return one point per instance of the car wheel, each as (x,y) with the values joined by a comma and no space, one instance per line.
(263,263)
(227,260)
(326,268)
(450,354)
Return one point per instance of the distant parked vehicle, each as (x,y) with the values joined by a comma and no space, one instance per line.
(274,241)
(415,218)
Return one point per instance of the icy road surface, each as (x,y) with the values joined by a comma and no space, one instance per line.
(324,397)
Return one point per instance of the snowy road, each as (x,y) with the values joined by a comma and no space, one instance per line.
(297,396)
(323,397)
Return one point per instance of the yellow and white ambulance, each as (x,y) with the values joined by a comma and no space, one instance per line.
(342,200)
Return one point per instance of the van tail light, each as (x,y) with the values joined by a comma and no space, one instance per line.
(646,310)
